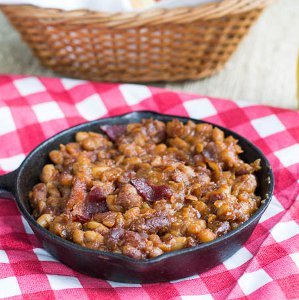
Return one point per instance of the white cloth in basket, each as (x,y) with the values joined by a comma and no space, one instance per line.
(112,6)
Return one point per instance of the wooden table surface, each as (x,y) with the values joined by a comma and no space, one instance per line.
(263,69)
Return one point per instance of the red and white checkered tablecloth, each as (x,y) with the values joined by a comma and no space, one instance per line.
(33,109)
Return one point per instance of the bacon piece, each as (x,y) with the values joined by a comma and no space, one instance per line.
(81,218)
(151,192)
(78,193)
(114,131)
(114,237)
(157,222)
(96,195)
(94,203)
(83,212)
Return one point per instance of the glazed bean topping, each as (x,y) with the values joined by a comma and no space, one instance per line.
(147,188)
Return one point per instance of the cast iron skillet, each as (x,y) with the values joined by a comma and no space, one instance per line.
(117,267)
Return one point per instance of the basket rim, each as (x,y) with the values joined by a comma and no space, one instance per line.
(179,15)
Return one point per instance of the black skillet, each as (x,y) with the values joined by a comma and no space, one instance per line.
(117,267)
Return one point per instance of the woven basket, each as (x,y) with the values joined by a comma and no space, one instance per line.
(157,45)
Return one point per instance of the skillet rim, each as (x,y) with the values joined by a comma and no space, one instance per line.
(164,256)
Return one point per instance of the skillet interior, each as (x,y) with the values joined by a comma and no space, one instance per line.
(119,267)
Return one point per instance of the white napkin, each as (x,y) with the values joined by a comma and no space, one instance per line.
(105,5)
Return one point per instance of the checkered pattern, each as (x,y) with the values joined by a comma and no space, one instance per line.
(33,109)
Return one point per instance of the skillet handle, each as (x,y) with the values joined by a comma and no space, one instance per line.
(8,184)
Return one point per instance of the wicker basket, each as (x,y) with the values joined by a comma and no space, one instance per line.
(157,45)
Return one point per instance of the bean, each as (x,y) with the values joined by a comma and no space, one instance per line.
(48,173)
(110,200)
(204,128)
(76,225)
(93,237)
(44,220)
(155,252)
(72,148)
(186,212)
(65,179)
(196,227)
(131,127)
(102,229)
(92,225)
(80,136)
(180,242)
(160,148)
(56,156)
(155,239)
(157,161)
(132,160)
(225,212)
(131,214)
(201,207)
(211,218)
(78,236)
(98,170)
(90,236)
(109,219)
(218,135)
(165,247)
(119,220)
(199,148)
(91,143)
(206,235)
(191,197)
(179,143)
(111,174)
